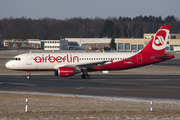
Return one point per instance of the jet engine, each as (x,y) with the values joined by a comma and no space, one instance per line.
(66,71)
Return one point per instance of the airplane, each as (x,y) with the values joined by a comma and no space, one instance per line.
(69,64)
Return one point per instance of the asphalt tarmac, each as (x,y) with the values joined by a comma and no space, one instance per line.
(172,62)
(139,86)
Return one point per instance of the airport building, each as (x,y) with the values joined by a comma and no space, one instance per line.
(94,43)
(122,44)
(77,43)
(55,45)
(23,44)
(135,44)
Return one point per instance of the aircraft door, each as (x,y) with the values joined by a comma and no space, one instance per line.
(139,58)
(28,60)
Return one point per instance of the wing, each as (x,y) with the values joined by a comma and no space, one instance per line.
(87,65)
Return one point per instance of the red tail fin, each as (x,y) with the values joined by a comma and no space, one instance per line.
(158,43)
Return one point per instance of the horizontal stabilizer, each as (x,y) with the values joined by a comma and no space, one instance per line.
(162,57)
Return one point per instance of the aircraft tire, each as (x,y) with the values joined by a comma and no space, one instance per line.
(86,76)
(82,76)
(28,77)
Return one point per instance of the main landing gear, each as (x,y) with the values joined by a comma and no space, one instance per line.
(29,75)
(85,75)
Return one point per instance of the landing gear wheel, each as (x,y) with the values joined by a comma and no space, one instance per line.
(28,77)
(85,76)
(82,76)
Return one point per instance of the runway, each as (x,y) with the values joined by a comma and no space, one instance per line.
(140,86)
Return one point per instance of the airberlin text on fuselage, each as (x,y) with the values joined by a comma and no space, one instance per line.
(58,59)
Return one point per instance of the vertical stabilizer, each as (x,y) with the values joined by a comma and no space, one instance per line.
(158,43)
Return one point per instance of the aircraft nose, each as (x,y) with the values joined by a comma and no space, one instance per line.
(8,65)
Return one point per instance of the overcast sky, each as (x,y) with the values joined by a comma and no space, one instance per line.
(62,9)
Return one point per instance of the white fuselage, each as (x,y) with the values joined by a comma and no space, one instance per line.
(51,61)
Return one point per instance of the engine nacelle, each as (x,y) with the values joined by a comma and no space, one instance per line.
(66,71)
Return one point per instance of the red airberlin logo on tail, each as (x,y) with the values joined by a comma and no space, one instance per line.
(160,39)
(58,59)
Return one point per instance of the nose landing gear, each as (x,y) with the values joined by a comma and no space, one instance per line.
(29,75)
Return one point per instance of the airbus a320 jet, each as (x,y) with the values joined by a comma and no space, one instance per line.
(69,64)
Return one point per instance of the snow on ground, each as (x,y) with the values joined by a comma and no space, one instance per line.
(47,106)
(106,98)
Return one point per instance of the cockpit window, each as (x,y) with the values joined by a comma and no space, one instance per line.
(17,59)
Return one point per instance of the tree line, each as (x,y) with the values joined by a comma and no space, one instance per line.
(50,28)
